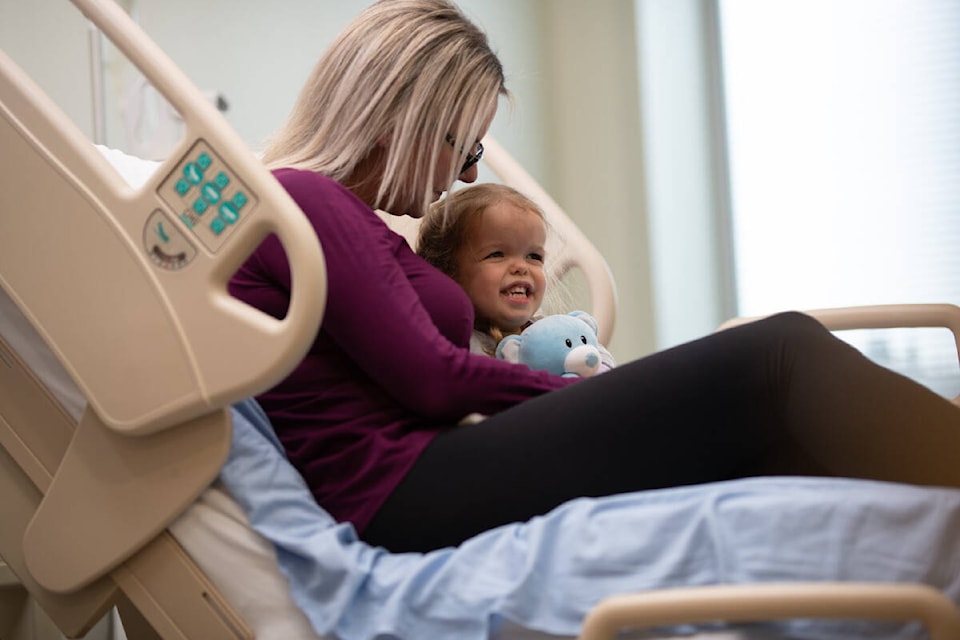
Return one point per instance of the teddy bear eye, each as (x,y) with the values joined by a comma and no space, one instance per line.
(569,343)
(583,339)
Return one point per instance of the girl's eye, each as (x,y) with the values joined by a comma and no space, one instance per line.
(495,254)
(537,257)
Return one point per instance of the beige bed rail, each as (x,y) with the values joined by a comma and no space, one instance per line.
(128,289)
(773,602)
(158,586)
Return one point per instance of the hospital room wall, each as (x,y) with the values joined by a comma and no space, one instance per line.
(578,125)
(635,154)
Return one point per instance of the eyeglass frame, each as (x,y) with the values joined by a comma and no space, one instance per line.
(472,158)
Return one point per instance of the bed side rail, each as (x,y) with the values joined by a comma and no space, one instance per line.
(769,602)
(128,287)
(167,591)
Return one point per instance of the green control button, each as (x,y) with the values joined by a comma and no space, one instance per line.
(199,205)
(182,187)
(217,225)
(193,173)
(239,199)
(211,193)
(204,161)
(222,180)
(229,212)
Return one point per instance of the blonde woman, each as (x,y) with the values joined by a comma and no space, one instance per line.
(392,115)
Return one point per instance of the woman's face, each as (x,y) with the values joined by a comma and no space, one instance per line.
(441,182)
(370,175)
(447,153)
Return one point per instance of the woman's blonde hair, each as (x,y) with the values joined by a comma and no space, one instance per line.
(447,226)
(405,75)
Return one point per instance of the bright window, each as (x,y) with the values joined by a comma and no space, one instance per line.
(843,130)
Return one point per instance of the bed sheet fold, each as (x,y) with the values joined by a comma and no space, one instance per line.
(547,573)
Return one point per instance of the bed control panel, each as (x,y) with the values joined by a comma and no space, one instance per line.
(207,197)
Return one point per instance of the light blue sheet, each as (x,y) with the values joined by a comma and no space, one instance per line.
(546,574)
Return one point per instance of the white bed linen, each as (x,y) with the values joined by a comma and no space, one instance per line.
(243,566)
(545,575)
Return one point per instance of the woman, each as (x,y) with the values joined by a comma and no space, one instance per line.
(391,116)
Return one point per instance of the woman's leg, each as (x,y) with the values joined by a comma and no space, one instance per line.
(780,396)
(862,420)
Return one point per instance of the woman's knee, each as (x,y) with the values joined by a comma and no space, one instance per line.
(795,322)
(797,332)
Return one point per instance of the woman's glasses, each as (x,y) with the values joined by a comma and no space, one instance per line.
(472,158)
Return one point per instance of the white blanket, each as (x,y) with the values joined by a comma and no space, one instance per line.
(547,573)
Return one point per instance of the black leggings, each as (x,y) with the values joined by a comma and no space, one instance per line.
(782,396)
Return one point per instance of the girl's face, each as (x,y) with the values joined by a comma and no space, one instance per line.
(501,265)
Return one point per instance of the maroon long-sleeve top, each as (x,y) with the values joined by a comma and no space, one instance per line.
(390,368)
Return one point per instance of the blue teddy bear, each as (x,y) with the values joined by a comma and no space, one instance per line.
(563,344)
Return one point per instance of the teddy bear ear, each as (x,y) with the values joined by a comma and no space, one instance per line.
(509,349)
(589,319)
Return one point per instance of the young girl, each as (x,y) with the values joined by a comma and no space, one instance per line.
(491,240)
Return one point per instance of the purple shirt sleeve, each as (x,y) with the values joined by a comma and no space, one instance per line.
(399,320)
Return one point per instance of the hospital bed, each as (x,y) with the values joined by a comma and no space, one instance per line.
(121,354)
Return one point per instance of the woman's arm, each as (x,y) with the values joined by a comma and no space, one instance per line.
(376,314)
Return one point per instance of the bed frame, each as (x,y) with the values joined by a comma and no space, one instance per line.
(85,504)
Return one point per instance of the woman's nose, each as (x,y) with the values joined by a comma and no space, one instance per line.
(470,175)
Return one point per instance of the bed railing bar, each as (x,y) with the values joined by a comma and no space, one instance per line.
(769,602)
